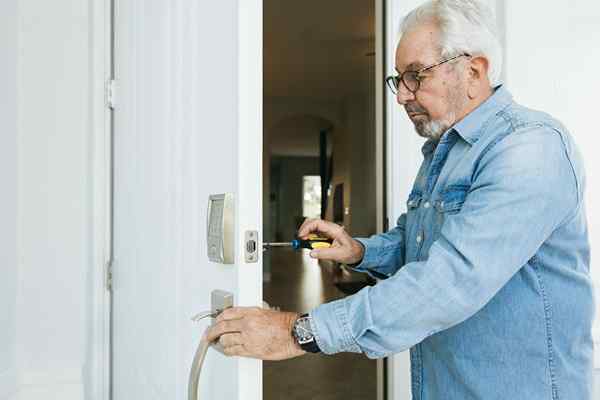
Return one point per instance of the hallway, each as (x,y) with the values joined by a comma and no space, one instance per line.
(299,284)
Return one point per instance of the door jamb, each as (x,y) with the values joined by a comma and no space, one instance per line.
(383,370)
(250,148)
(98,370)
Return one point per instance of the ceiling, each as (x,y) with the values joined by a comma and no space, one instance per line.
(318,48)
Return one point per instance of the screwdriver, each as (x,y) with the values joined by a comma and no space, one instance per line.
(313,242)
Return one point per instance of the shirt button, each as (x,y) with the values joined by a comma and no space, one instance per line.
(426,205)
(419,238)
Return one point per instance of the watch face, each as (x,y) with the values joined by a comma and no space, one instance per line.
(302,331)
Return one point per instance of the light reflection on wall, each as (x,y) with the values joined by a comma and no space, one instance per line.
(311,284)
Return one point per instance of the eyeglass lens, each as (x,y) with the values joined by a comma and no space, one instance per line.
(410,80)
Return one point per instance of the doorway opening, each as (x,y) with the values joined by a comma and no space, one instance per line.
(319,105)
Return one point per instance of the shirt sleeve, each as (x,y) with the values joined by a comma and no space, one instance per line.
(522,190)
(384,253)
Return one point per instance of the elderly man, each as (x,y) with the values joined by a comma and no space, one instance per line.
(485,277)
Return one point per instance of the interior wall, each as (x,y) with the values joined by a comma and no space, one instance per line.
(8,200)
(360,125)
(342,174)
(287,174)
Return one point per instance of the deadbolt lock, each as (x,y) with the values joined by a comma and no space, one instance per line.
(251,246)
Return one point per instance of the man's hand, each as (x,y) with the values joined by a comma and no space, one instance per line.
(257,333)
(344,249)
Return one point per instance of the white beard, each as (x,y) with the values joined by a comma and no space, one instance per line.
(435,129)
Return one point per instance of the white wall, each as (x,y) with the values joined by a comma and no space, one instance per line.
(553,53)
(8,198)
(45,206)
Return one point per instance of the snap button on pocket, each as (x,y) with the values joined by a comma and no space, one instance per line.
(452,199)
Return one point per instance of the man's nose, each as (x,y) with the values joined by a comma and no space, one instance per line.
(404,95)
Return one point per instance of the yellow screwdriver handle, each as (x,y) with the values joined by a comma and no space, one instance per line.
(320,245)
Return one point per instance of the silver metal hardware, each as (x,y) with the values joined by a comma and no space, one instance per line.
(220,228)
(202,315)
(111,91)
(219,301)
(278,244)
(251,246)
(108,276)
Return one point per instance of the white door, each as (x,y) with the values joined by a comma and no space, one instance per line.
(187,125)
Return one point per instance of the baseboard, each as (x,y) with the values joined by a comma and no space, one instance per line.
(8,384)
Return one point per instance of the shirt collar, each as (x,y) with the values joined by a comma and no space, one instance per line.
(469,128)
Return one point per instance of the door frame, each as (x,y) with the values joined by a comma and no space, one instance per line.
(383,365)
(250,168)
(98,369)
(402,160)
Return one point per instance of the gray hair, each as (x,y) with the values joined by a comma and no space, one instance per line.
(466,26)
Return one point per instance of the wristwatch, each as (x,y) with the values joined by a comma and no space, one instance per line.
(302,332)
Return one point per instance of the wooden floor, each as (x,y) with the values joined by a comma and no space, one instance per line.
(299,284)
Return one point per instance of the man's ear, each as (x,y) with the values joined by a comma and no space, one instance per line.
(478,75)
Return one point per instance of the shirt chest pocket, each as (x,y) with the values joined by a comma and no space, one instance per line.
(451,199)
(449,203)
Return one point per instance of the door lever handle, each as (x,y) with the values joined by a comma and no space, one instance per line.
(200,316)
(220,300)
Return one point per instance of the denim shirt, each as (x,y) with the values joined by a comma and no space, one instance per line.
(486,276)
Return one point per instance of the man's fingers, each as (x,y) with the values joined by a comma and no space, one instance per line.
(333,253)
(233,313)
(223,327)
(304,225)
(231,339)
(327,228)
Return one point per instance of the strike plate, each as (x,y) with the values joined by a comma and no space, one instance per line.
(251,246)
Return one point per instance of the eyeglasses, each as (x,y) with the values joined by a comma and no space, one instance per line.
(412,79)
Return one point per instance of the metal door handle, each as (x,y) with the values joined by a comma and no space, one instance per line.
(220,300)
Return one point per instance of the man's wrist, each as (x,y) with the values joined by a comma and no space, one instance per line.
(360,253)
